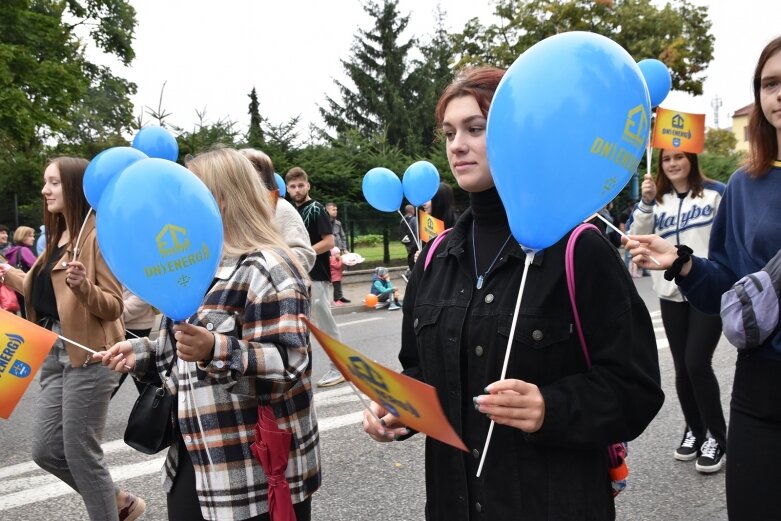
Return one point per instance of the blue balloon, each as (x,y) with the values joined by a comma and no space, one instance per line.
(160,231)
(420,182)
(280,184)
(657,78)
(104,167)
(566,130)
(156,142)
(382,189)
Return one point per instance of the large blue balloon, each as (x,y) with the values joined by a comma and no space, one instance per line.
(156,142)
(280,184)
(566,130)
(420,182)
(160,231)
(382,189)
(657,78)
(104,167)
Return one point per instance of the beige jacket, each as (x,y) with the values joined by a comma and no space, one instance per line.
(90,314)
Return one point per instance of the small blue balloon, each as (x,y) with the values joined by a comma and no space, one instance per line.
(157,142)
(566,130)
(420,182)
(280,184)
(160,231)
(382,189)
(104,167)
(657,78)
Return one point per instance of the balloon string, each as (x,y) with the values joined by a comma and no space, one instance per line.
(527,263)
(414,236)
(78,239)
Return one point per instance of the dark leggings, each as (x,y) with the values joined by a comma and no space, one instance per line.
(693,337)
(183,502)
(753,463)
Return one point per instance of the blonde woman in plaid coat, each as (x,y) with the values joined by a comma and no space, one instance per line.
(246,345)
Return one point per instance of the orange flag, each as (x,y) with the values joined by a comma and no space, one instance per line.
(677,130)
(429,226)
(23,348)
(413,402)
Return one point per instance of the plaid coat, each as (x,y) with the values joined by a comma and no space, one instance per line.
(262,355)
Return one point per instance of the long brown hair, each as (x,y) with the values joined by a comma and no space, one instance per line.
(263,166)
(75,205)
(696,178)
(478,82)
(762,136)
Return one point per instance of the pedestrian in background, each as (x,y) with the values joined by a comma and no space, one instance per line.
(680,206)
(744,237)
(337,267)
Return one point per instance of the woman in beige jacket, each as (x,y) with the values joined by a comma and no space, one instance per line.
(70,291)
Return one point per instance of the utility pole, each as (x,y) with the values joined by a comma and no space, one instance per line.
(715,103)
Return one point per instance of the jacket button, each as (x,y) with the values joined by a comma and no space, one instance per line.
(479,350)
(209,326)
(188,439)
(478,507)
(475,453)
(537,335)
(219,364)
(489,298)
(415,324)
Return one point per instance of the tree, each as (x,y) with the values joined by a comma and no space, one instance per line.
(720,141)
(255,133)
(382,97)
(50,91)
(206,135)
(677,34)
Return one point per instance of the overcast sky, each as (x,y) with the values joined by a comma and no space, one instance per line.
(211,53)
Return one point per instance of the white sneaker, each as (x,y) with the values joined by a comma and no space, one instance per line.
(393,307)
(381,305)
(332,377)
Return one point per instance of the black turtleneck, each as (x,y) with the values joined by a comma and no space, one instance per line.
(490,226)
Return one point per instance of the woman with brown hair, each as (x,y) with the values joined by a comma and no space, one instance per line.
(681,206)
(71,291)
(554,416)
(745,236)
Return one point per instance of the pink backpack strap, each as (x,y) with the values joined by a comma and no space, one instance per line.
(569,268)
(433,248)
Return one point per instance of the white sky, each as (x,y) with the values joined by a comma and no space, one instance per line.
(212,53)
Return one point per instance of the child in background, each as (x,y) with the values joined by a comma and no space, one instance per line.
(383,288)
(336,276)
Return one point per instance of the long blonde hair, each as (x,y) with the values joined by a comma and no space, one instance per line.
(247,215)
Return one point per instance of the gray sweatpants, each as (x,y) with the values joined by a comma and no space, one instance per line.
(68,428)
(321,314)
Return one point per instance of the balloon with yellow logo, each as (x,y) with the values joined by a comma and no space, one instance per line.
(566,130)
(160,231)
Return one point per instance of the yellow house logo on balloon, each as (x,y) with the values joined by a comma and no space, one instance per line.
(636,129)
(172,239)
(626,157)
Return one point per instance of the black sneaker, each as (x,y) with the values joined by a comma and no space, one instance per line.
(344,300)
(712,457)
(688,449)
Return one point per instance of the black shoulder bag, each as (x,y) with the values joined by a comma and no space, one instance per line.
(150,426)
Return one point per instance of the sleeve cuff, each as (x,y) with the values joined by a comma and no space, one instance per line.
(220,354)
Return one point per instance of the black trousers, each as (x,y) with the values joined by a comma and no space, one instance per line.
(693,337)
(337,290)
(183,502)
(753,463)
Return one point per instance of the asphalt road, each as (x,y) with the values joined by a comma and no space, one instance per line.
(364,480)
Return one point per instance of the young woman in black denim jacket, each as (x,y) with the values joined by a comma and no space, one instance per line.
(555,417)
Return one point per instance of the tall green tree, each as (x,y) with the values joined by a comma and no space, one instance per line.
(255,132)
(382,95)
(50,91)
(677,33)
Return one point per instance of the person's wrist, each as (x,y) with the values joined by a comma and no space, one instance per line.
(686,268)
(647,202)
(682,261)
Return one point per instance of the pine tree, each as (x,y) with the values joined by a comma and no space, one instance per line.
(383,97)
(255,133)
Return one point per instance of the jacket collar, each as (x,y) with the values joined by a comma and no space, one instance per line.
(457,241)
(228,265)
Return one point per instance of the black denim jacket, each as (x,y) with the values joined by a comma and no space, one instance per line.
(454,337)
